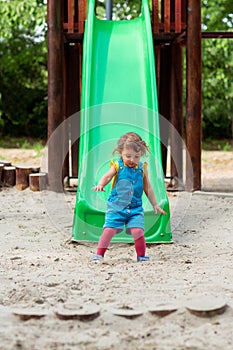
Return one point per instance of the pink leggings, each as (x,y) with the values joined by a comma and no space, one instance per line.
(107,235)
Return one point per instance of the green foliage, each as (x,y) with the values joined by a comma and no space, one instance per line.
(122,9)
(217,87)
(210,144)
(23,68)
(23,86)
(217,70)
(217,15)
(22,142)
(18,14)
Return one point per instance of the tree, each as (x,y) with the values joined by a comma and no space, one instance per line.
(217,86)
(217,70)
(217,15)
(27,14)
(23,68)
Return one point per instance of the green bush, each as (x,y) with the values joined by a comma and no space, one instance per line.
(217,88)
(23,86)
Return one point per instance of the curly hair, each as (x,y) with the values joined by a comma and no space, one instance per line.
(131,140)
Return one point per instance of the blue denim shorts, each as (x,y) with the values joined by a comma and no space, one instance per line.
(129,217)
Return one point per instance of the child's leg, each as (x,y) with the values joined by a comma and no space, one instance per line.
(139,241)
(105,239)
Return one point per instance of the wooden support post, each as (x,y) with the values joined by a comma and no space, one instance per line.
(176,113)
(157,67)
(72,104)
(38,181)
(167,16)
(3,163)
(193,93)
(155,16)
(1,174)
(164,99)
(184,14)
(81,15)
(76,108)
(70,16)
(64,133)
(22,176)
(178,16)
(55,92)
(9,176)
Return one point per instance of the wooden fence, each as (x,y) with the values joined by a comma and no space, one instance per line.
(167,16)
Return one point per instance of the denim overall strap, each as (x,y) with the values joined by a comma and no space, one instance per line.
(128,187)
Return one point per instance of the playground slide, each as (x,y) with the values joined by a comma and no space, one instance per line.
(118,96)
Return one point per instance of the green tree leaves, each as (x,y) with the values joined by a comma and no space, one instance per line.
(217,15)
(217,87)
(217,70)
(18,14)
(23,68)
(121,9)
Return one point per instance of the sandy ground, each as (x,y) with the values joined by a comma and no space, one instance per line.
(42,270)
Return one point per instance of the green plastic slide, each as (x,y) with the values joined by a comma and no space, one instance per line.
(118,96)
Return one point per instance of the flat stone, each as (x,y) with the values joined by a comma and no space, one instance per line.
(206,306)
(163,309)
(5,309)
(86,312)
(5,162)
(27,314)
(127,311)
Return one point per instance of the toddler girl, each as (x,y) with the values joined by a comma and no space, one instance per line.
(124,206)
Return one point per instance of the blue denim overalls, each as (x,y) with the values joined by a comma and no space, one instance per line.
(124,206)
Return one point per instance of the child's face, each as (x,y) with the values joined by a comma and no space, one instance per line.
(130,157)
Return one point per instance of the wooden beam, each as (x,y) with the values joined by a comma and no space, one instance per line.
(65,131)
(217,35)
(176,136)
(177,16)
(193,95)
(55,89)
(81,15)
(155,15)
(70,16)
(164,100)
(72,105)
(55,83)
(73,38)
(184,14)
(167,16)
(9,175)
(157,66)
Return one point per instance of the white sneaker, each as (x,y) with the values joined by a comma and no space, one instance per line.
(97,257)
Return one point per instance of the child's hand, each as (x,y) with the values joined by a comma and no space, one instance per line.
(98,188)
(158,209)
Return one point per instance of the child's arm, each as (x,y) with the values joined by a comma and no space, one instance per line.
(105,179)
(150,194)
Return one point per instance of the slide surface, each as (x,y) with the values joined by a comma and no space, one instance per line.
(118,96)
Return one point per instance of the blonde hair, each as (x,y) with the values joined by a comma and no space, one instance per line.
(131,140)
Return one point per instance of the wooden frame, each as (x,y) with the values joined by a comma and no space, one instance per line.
(168,16)
(172,24)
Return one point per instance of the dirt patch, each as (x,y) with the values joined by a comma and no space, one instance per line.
(217,171)
(20,156)
(43,271)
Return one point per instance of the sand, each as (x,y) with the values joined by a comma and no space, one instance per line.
(43,271)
